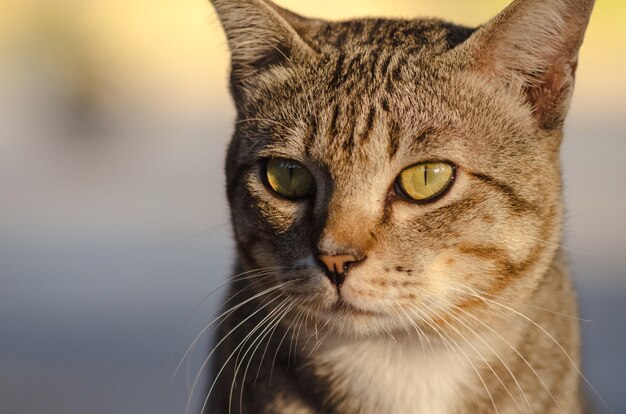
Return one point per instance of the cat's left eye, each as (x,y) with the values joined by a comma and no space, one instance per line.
(425,182)
(288,178)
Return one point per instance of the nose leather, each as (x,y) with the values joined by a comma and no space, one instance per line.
(336,266)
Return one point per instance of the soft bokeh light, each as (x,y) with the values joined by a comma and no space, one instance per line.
(114,119)
(144,46)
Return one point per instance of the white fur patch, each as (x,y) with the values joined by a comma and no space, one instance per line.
(383,376)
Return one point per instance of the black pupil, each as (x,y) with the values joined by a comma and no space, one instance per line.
(291,167)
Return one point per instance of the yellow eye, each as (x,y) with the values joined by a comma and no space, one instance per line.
(289,178)
(425,182)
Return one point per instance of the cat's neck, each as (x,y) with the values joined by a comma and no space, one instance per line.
(399,374)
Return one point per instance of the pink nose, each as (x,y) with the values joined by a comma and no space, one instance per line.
(337,266)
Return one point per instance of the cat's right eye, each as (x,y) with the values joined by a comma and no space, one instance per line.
(288,178)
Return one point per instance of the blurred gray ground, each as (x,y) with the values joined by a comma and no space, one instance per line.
(102,263)
(101,329)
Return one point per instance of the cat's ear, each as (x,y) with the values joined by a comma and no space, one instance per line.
(260,34)
(532,47)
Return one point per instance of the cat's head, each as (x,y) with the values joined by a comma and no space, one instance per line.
(385,172)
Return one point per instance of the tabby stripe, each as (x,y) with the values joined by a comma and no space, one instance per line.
(333,122)
(418,142)
(396,73)
(365,134)
(348,144)
(341,39)
(314,129)
(394,139)
(384,103)
(482,251)
(334,83)
(516,203)
(415,50)
(389,84)
(357,28)
(373,34)
(374,59)
(354,64)
(425,134)
(508,271)
(385,67)
(311,136)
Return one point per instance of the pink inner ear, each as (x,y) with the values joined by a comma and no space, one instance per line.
(535,43)
(549,96)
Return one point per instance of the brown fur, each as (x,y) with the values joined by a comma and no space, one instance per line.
(469,289)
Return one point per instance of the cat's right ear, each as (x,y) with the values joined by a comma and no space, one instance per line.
(532,48)
(260,34)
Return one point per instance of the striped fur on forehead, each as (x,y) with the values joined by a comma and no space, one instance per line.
(428,36)
(354,76)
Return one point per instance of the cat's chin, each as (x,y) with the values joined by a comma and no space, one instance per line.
(345,319)
(343,307)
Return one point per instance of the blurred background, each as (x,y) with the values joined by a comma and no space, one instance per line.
(114,118)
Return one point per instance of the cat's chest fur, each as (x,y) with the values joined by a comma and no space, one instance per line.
(395,376)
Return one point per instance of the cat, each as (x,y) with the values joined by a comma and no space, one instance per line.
(395,195)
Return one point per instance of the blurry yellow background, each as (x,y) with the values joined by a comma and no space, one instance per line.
(174,50)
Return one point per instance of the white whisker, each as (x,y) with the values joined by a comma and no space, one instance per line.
(267,321)
(268,331)
(203,366)
(519,354)
(489,365)
(206,328)
(442,334)
(570,249)
(558,344)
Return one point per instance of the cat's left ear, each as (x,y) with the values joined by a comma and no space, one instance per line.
(532,47)
(260,34)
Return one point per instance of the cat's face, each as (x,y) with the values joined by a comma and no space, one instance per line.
(352,112)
